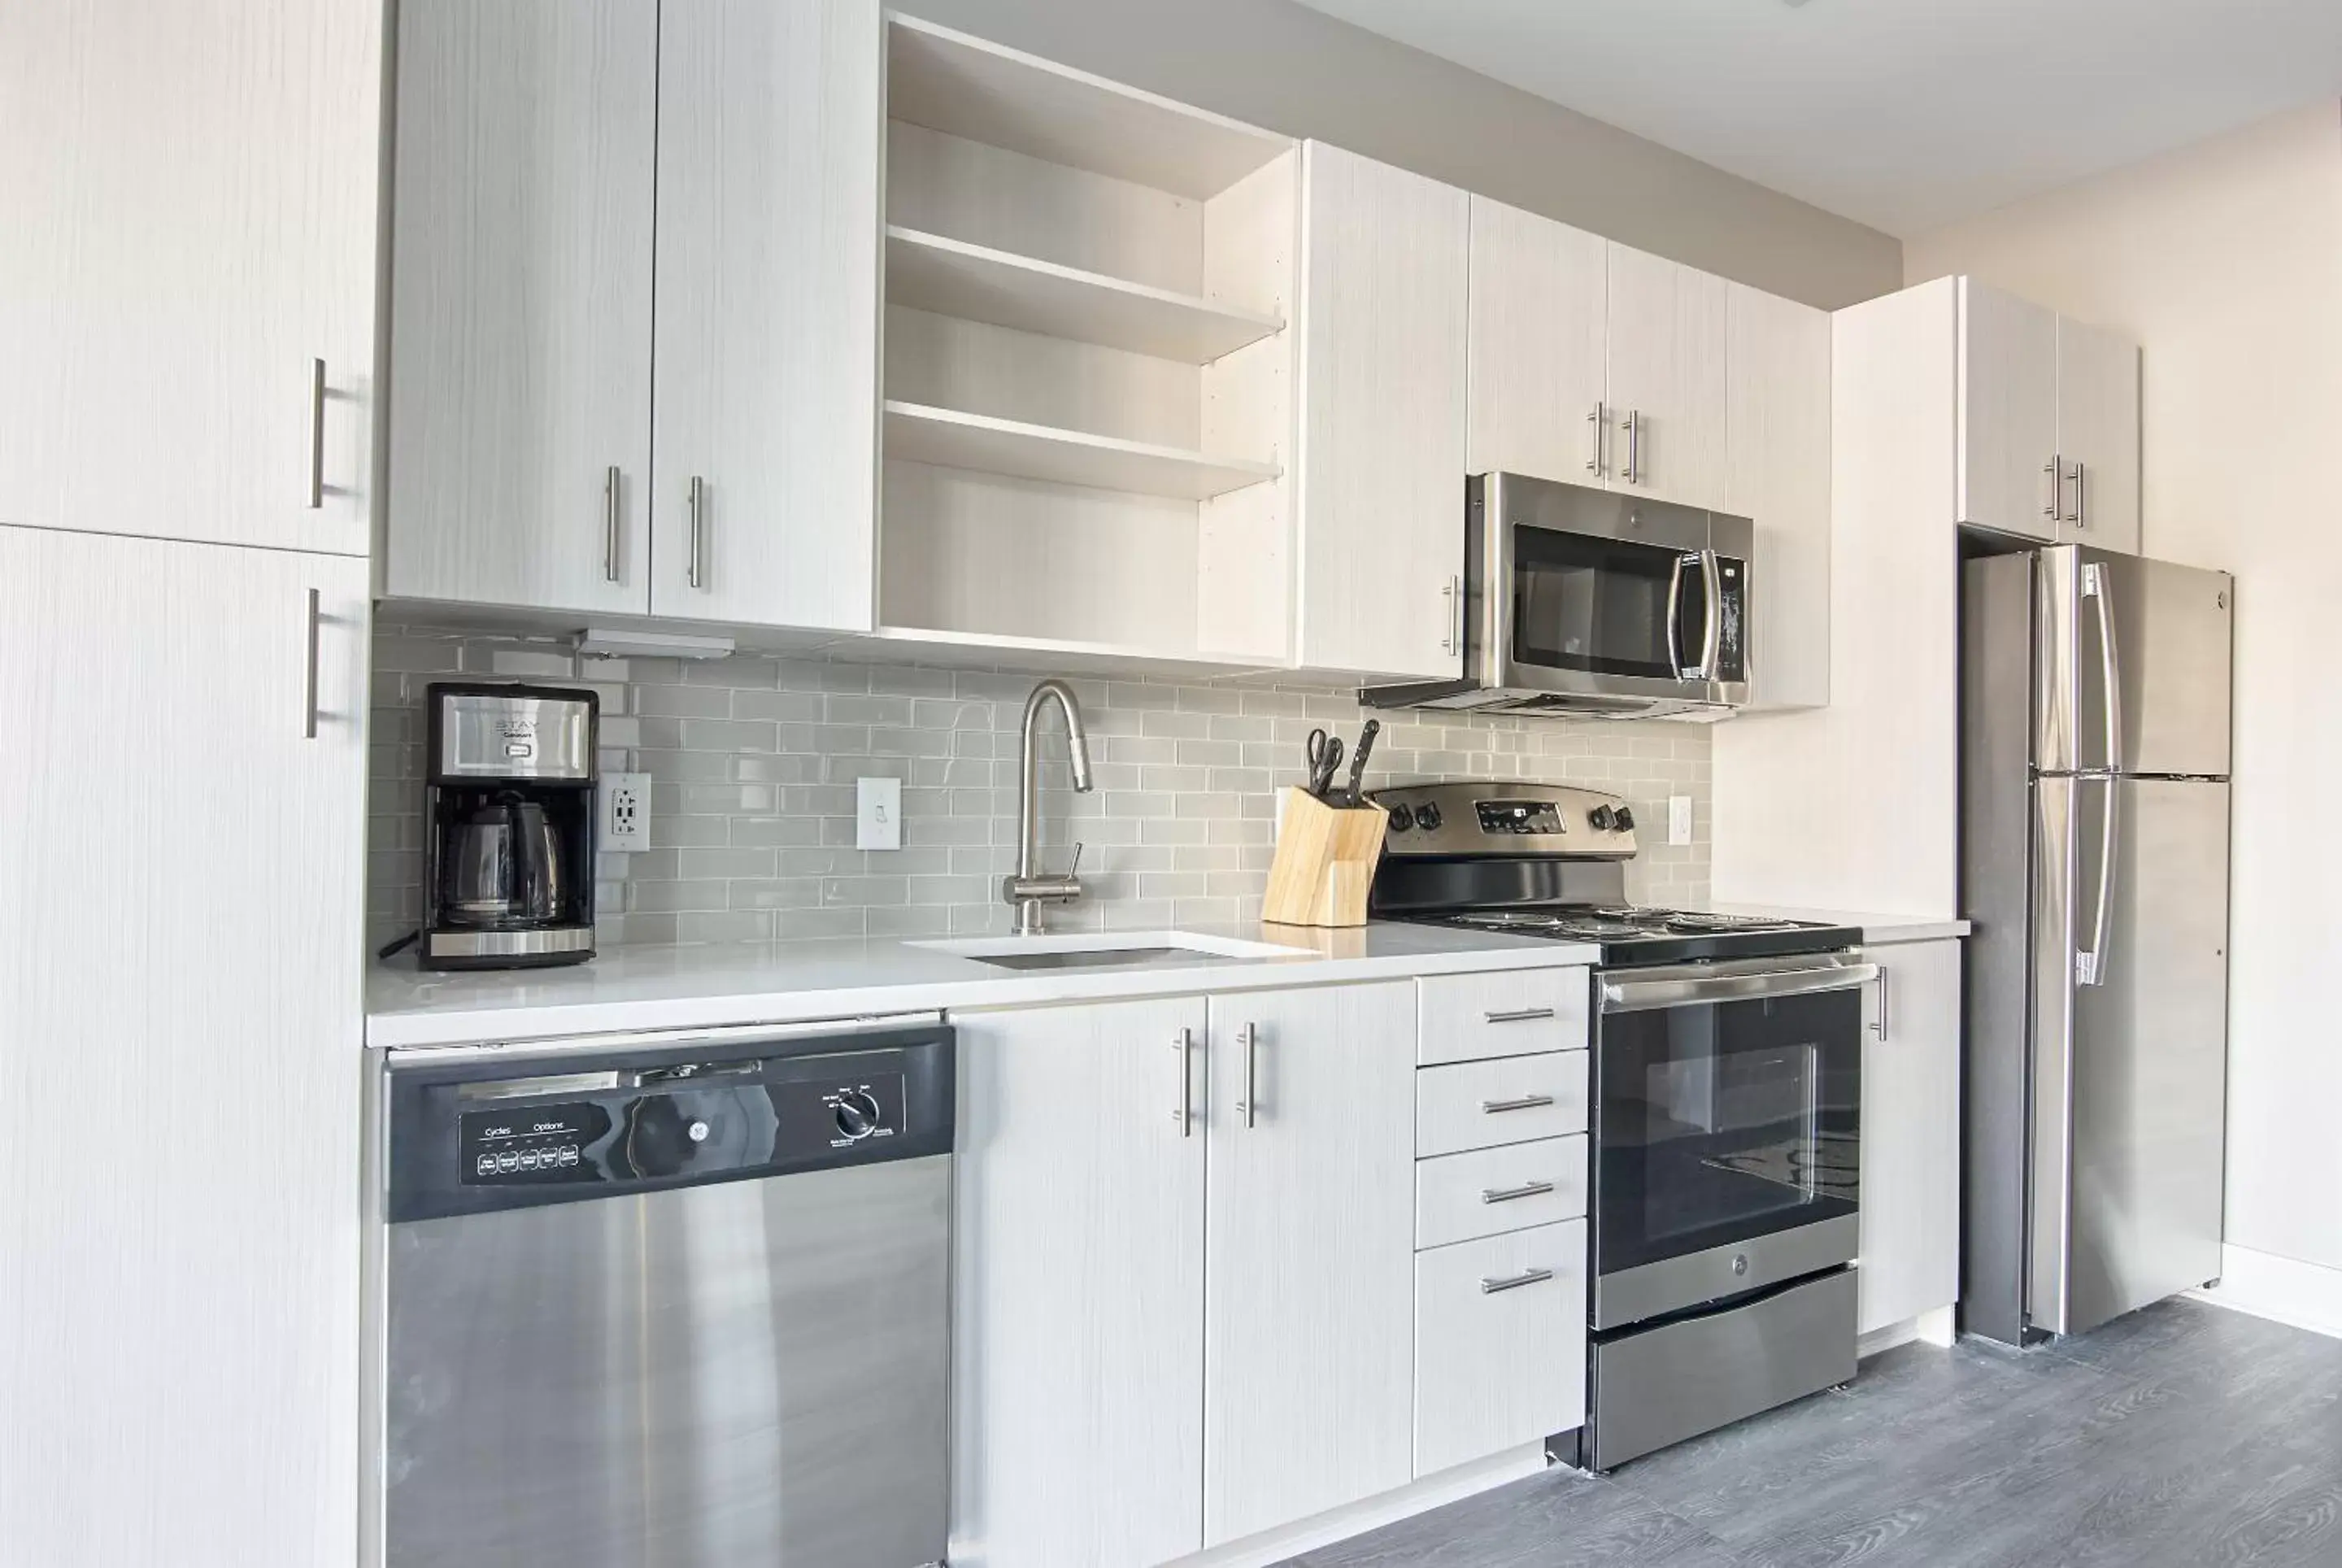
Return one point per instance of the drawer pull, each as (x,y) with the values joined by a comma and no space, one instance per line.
(1514,1281)
(1519,1015)
(1506,1195)
(1526,1103)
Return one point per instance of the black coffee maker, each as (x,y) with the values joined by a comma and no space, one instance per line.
(508,827)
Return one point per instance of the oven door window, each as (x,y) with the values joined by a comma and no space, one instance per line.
(1726,1121)
(1602,605)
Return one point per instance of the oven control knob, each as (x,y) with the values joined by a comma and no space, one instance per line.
(1427,816)
(858,1114)
(1401,818)
(1624,819)
(1602,817)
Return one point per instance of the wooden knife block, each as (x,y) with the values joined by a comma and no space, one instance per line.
(1324,864)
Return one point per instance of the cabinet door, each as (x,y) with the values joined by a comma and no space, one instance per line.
(190,193)
(2097,437)
(1539,314)
(1667,377)
(1777,425)
(2008,412)
(1383,332)
(1309,1241)
(1079,1287)
(766,391)
(1911,1134)
(179,1050)
(520,392)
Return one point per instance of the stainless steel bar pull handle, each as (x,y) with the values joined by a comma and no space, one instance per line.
(2099,591)
(610,489)
(1507,1194)
(1451,637)
(1597,419)
(1879,1025)
(2056,469)
(317,435)
(2080,516)
(2091,965)
(309,674)
(1514,1281)
(1633,475)
(1183,1045)
(1526,1103)
(1674,616)
(1519,1015)
(1248,1042)
(696,504)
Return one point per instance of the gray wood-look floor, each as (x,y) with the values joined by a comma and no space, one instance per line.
(2182,1434)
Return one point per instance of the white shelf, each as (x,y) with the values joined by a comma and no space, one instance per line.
(962,86)
(917,433)
(952,277)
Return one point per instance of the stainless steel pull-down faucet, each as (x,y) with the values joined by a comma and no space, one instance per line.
(1028,889)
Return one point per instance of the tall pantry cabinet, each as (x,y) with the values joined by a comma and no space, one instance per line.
(186,374)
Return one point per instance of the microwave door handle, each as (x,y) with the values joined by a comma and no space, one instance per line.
(1674,621)
(1711,650)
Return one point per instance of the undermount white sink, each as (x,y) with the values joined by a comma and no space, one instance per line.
(1109,950)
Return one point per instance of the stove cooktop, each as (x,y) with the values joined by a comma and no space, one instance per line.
(1629,936)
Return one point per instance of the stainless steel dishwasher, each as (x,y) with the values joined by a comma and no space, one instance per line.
(664,1301)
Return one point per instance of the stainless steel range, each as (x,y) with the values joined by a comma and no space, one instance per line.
(1726,1136)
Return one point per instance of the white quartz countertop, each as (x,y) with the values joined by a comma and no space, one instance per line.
(723,985)
(1876,928)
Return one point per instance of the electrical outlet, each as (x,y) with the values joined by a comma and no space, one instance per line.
(1678,819)
(625,812)
(878,813)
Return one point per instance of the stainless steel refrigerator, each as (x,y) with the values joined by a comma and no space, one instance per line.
(2094,866)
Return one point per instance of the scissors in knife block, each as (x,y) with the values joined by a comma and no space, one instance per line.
(1324,760)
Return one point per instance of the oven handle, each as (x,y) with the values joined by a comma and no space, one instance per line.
(1695,985)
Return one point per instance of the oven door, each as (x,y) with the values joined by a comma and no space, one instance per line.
(1728,1137)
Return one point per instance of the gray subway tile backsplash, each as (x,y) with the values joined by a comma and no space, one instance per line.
(753,760)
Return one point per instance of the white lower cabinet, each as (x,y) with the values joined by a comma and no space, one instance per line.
(1079,1287)
(1309,1234)
(1499,1343)
(1911,1134)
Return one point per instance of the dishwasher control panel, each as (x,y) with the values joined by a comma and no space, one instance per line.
(487,1136)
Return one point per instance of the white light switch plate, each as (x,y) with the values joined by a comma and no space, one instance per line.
(625,807)
(878,813)
(1678,819)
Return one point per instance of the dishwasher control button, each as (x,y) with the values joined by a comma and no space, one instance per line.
(698,1131)
(485,1165)
(528,1159)
(508,1161)
(858,1114)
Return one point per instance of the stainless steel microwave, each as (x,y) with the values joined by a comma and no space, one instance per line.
(1583,601)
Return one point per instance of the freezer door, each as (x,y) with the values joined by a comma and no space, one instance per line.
(2129,1071)
(2153,635)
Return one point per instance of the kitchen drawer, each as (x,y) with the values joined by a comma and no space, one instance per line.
(1512,1100)
(1469,1017)
(1498,1367)
(1490,1191)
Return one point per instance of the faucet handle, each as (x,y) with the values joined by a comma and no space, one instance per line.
(1076,863)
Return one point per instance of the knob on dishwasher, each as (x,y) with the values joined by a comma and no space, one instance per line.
(858,1114)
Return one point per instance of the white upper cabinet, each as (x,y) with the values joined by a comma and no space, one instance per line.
(2097,437)
(187,267)
(1540,346)
(764,440)
(1382,317)
(2048,423)
(1666,380)
(1777,421)
(1309,1253)
(2007,404)
(520,399)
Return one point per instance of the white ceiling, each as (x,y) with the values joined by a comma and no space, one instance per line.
(1900,114)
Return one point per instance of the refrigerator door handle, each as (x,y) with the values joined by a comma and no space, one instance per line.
(2090,963)
(2099,591)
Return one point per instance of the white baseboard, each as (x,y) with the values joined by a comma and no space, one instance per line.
(1339,1525)
(2285,1290)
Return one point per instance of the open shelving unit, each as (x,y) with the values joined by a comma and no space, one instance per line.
(1089,363)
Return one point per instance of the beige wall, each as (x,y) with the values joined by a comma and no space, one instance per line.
(1291,69)
(2224,261)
